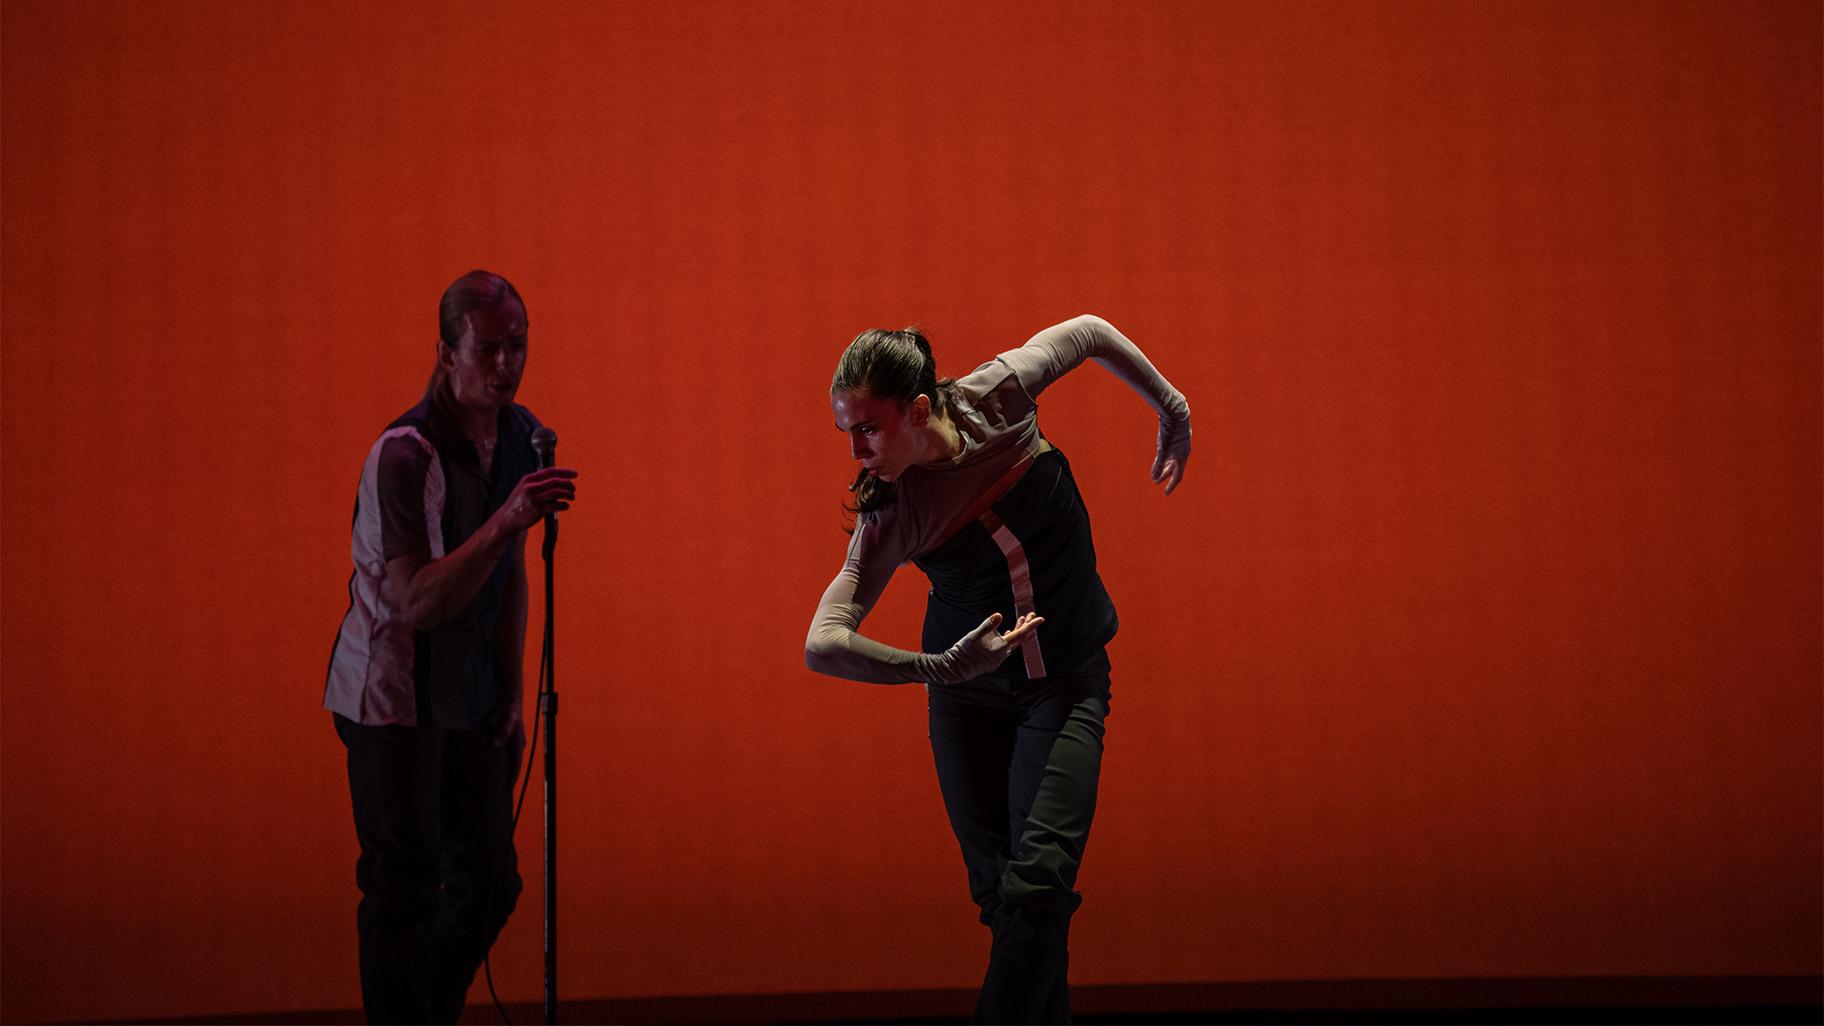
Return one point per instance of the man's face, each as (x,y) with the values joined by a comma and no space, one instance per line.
(882,433)
(485,367)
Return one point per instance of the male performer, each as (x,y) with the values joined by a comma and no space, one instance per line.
(425,676)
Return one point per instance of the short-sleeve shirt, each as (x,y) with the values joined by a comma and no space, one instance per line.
(423,492)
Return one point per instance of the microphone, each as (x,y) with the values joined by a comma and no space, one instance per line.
(544,444)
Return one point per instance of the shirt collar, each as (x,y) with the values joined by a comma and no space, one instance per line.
(448,424)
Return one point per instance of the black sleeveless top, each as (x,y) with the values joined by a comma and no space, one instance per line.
(1043,526)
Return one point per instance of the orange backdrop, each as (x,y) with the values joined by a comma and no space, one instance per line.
(1483,638)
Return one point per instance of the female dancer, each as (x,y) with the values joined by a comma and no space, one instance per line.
(956,477)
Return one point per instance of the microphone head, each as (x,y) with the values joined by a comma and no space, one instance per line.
(544,444)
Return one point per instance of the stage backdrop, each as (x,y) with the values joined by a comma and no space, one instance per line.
(1481,640)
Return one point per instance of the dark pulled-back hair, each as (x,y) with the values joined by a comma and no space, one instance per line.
(476,290)
(895,365)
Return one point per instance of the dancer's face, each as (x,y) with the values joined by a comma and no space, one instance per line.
(884,435)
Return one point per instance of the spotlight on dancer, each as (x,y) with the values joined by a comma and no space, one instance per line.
(956,477)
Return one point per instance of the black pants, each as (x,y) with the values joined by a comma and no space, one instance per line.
(438,874)
(1018,767)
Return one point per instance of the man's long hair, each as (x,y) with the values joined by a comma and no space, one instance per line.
(476,290)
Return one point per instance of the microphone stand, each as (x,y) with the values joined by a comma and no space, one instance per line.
(547,704)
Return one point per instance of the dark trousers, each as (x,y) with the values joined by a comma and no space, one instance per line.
(437,872)
(1018,767)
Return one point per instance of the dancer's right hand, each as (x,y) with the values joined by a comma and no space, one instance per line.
(985,648)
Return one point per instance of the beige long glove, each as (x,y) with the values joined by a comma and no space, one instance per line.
(979,651)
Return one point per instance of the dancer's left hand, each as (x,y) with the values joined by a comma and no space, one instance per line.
(1174,451)
(1168,472)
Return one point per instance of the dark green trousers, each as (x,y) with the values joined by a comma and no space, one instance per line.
(1018,767)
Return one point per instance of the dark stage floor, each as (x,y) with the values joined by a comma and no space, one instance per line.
(1680,1000)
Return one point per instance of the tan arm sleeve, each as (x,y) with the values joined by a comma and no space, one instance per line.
(1047,356)
(834,645)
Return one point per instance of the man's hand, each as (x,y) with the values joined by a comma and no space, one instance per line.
(508,726)
(550,490)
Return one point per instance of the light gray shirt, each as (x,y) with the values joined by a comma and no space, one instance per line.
(997,419)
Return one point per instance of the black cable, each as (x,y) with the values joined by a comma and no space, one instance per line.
(519,805)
